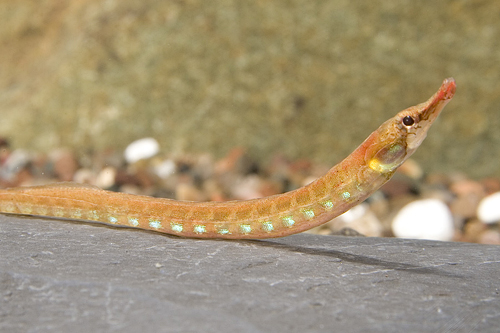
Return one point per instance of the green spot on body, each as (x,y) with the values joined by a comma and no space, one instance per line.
(155,224)
(177,227)
(223,231)
(133,221)
(199,229)
(59,213)
(267,226)
(328,205)
(113,219)
(308,213)
(288,221)
(345,195)
(245,228)
(42,211)
(9,208)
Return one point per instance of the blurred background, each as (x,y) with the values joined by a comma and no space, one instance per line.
(262,82)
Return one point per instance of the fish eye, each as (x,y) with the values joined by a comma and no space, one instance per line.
(408,121)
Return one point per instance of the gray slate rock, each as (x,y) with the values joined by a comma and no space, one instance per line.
(61,276)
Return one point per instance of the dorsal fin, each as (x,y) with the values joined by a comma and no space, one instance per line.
(61,185)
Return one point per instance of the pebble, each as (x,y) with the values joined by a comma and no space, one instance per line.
(84,176)
(165,169)
(308,180)
(490,237)
(466,187)
(14,163)
(472,231)
(455,207)
(106,178)
(465,206)
(397,186)
(141,149)
(424,219)
(411,169)
(489,209)
(188,192)
(235,161)
(247,188)
(65,164)
(491,185)
(361,219)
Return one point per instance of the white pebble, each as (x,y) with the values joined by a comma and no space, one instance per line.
(489,208)
(361,219)
(424,219)
(17,160)
(141,149)
(106,178)
(355,213)
(84,176)
(165,169)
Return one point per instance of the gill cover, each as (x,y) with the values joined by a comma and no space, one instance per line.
(389,157)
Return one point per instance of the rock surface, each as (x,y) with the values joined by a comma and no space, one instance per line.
(79,277)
